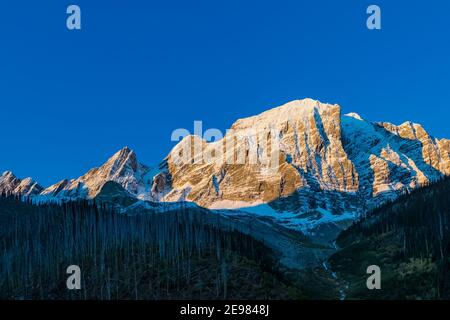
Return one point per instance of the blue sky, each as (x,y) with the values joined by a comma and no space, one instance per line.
(139,69)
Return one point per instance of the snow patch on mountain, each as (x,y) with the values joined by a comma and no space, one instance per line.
(306,222)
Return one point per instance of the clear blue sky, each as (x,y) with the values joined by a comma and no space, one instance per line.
(139,69)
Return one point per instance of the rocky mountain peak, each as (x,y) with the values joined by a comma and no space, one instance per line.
(328,161)
(123,168)
(311,155)
(434,152)
(6,173)
(355,116)
(122,162)
(9,183)
(294,111)
(122,154)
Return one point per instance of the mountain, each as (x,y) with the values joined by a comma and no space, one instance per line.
(393,159)
(304,165)
(122,168)
(331,166)
(311,155)
(292,178)
(10,184)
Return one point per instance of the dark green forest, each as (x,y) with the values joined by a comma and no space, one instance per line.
(408,239)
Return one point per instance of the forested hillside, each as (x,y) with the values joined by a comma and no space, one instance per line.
(408,239)
(173,255)
(190,253)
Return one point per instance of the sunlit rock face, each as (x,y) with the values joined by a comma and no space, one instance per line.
(341,163)
(435,152)
(307,152)
(390,159)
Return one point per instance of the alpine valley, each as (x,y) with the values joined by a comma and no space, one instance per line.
(335,172)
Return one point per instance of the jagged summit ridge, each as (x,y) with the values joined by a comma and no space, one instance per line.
(10,184)
(435,152)
(289,112)
(123,168)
